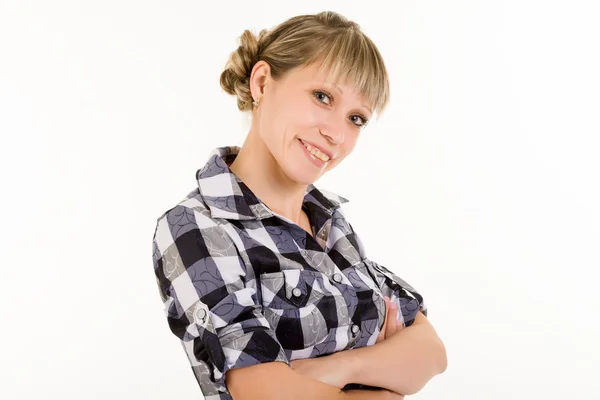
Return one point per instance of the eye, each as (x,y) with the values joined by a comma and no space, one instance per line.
(359,120)
(322,97)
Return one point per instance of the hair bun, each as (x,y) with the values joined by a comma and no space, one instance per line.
(235,79)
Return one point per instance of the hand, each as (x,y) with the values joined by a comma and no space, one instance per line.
(382,394)
(330,369)
(391,324)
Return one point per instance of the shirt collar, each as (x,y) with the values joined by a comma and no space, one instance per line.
(228,197)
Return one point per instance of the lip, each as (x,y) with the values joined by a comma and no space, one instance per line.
(329,154)
(317,162)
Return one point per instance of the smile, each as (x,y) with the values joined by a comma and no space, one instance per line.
(315,151)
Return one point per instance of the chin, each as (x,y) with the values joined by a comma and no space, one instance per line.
(303,176)
(305,179)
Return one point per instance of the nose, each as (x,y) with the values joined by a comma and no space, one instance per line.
(333,131)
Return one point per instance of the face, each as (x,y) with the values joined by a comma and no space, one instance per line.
(309,126)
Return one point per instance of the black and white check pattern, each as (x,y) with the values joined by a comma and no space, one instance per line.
(242,285)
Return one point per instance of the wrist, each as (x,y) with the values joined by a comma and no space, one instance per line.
(350,363)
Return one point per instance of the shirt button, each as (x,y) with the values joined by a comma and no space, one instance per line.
(201,314)
(337,278)
(355,329)
(296,292)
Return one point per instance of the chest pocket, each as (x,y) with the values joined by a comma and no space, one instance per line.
(297,307)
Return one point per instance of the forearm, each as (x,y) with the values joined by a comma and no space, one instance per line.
(367,395)
(274,381)
(403,363)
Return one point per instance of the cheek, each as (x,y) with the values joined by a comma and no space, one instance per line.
(346,149)
(349,142)
(288,116)
(271,121)
(302,112)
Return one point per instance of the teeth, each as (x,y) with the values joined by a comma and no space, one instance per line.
(316,152)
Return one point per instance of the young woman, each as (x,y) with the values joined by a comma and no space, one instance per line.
(264,280)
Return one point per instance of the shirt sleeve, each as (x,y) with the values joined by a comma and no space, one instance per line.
(408,299)
(210,298)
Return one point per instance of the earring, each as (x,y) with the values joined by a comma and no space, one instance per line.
(255,102)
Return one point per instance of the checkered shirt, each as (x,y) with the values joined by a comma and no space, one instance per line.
(243,285)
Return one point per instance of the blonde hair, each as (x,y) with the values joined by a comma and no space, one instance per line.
(299,41)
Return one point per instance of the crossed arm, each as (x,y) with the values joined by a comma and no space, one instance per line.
(403,362)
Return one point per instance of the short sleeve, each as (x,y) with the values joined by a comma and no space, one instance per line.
(210,298)
(409,300)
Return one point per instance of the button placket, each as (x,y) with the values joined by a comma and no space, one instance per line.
(201,315)
(354,334)
(337,277)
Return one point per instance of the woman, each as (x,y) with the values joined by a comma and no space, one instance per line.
(264,281)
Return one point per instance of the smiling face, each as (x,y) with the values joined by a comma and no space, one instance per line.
(308,125)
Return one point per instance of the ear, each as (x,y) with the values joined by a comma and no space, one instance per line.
(261,73)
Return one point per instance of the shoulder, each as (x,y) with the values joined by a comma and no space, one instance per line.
(193,201)
(188,221)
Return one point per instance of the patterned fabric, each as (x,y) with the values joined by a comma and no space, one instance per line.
(242,285)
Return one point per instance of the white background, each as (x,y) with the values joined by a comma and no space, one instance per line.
(484,167)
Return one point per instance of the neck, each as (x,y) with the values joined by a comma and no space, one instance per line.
(258,169)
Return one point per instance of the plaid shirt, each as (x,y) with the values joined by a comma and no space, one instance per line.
(242,285)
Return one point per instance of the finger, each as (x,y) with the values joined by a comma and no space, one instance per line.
(399,325)
(391,319)
(381,336)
